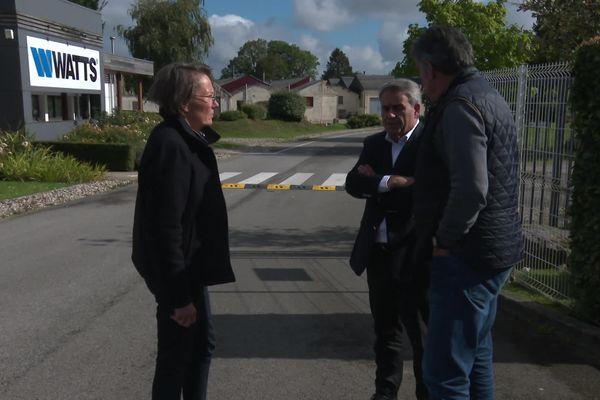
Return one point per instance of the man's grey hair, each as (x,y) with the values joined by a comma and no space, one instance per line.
(447,49)
(174,85)
(406,87)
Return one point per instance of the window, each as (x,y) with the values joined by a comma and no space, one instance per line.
(35,107)
(340,100)
(55,111)
(309,101)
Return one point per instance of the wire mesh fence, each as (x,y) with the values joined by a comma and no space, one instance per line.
(538,96)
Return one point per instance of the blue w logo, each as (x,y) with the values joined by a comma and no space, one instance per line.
(43,62)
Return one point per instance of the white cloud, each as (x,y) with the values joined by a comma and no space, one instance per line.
(367,59)
(329,15)
(391,38)
(322,15)
(230,32)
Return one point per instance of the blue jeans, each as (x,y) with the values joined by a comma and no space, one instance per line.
(184,354)
(458,351)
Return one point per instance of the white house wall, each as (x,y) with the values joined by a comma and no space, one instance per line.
(350,104)
(324,109)
(251,95)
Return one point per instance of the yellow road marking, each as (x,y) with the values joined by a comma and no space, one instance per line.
(233,185)
(321,187)
(278,187)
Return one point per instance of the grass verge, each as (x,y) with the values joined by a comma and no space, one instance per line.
(271,129)
(524,293)
(13,189)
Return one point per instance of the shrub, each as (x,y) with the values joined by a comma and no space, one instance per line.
(584,260)
(233,115)
(132,135)
(363,121)
(41,165)
(14,142)
(286,106)
(113,156)
(255,111)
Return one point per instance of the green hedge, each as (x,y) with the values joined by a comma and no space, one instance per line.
(115,157)
(287,106)
(363,121)
(233,115)
(584,261)
(255,111)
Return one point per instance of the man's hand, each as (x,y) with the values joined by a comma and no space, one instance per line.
(397,181)
(366,170)
(185,316)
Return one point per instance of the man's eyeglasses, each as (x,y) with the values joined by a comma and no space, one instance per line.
(212,97)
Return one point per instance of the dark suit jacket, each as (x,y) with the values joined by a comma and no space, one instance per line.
(395,205)
(180,233)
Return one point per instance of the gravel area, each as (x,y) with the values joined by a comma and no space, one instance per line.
(63,195)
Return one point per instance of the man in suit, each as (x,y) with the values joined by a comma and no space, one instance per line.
(385,241)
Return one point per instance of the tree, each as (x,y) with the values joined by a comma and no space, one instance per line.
(93,4)
(337,66)
(168,31)
(271,61)
(496,44)
(561,25)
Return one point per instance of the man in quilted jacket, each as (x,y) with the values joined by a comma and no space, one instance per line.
(466,213)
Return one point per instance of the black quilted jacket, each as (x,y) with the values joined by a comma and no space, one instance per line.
(467,176)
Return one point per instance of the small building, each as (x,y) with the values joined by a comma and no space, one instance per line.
(367,87)
(243,89)
(53,67)
(321,101)
(347,100)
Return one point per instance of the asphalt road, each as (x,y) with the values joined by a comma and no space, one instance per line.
(78,323)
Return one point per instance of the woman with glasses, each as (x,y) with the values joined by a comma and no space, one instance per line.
(180,232)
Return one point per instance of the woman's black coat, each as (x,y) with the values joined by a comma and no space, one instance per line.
(180,232)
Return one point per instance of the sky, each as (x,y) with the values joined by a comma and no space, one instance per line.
(369,32)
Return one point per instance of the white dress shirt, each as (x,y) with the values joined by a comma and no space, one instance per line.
(383,184)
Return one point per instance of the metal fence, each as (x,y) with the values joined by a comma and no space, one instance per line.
(538,96)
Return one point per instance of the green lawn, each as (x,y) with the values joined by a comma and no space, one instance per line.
(12,189)
(274,129)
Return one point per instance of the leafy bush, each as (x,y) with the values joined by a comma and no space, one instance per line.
(584,260)
(363,121)
(255,111)
(41,165)
(131,135)
(14,142)
(233,115)
(287,106)
(114,156)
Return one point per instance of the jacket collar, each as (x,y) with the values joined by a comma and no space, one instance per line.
(465,75)
(206,136)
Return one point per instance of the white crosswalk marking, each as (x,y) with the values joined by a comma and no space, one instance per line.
(335,180)
(223,176)
(258,178)
(297,179)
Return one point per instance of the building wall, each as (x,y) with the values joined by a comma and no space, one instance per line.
(350,102)
(31,97)
(324,109)
(365,100)
(249,95)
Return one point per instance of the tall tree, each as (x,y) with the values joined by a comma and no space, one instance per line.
(93,4)
(495,43)
(337,66)
(272,60)
(168,31)
(561,25)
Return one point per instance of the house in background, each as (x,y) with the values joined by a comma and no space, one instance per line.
(244,89)
(347,100)
(321,101)
(367,87)
(289,84)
